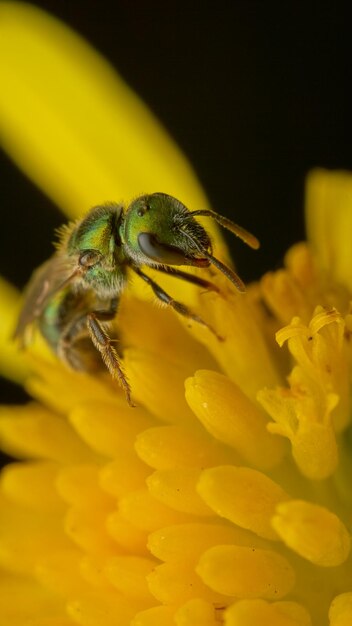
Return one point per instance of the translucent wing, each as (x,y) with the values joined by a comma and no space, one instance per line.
(46,281)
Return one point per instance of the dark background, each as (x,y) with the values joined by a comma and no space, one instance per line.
(255,93)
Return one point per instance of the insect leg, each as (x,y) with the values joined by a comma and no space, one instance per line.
(181,308)
(190,278)
(77,327)
(107,315)
(100,339)
(65,345)
(103,344)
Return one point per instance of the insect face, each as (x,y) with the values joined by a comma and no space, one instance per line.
(158,229)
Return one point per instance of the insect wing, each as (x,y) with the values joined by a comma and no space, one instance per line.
(45,282)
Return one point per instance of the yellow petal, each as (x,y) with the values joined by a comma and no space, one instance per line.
(190,540)
(126,534)
(104,608)
(97,142)
(255,612)
(242,495)
(107,427)
(243,353)
(12,363)
(21,597)
(128,575)
(246,572)
(329,221)
(79,484)
(91,568)
(32,485)
(340,612)
(153,377)
(26,537)
(59,572)
(231,417)
(124,474)
(177,489)
(86,527)
(321,352)
(48,379)
(170,447)
(314,532)
(284,296)
(157,616)
(146,513)
(196,611)
(176,582)
(314,447)
(166,336)
(33,431)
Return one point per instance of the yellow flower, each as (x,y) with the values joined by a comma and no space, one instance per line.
(225,496)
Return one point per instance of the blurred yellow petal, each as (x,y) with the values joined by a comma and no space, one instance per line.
(340,612)
(22,597)
(60,572)
(27,536)
(32,485)
(166,336)
(12,363)
(33,431)
(85,525)
(106,427)
(329,221)
(124,474)
(232,316)
(126,534)
(79,484)
(104,608)
(255,612)
(152,376)
(196,611)
(157,616)
(97,141)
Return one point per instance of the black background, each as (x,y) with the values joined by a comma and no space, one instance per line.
(255,93)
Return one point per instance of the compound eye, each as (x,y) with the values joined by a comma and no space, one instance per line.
(143,210)
(88,258)
(160,252)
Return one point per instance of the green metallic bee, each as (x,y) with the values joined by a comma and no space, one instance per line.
(76,292)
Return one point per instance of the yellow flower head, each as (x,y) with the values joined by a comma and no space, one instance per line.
(225,496)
